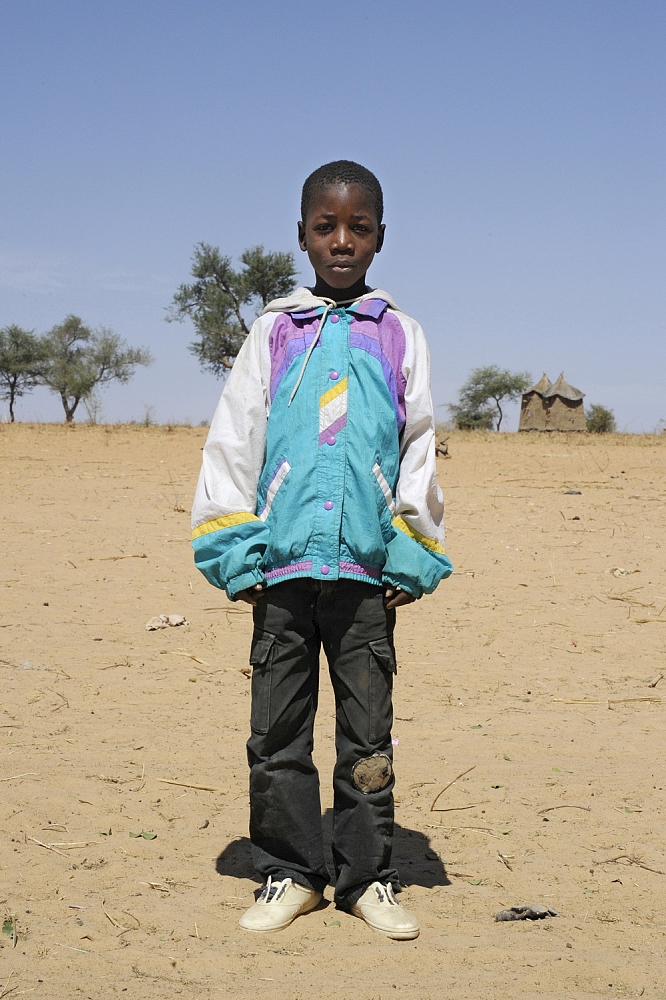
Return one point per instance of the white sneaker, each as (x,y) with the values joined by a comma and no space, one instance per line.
(382,911)
(278,904)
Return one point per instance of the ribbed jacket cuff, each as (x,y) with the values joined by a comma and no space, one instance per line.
(244,581)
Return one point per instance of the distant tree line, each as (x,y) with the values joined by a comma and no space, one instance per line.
(481,397)
(480,400)
(71,360)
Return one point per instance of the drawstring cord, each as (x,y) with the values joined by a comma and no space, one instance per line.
(330,304)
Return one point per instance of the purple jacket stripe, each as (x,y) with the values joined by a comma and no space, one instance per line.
(287,341)
(332,429)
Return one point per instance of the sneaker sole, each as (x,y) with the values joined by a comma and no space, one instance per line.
(394,935)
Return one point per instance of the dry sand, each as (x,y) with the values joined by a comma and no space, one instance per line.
(531,666)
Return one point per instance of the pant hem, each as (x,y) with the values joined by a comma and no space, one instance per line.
(312,882)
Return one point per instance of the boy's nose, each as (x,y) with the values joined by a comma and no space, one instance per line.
(342,240)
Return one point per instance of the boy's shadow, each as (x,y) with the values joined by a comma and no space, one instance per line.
(413,856)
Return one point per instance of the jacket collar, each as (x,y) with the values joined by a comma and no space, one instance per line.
(303,304)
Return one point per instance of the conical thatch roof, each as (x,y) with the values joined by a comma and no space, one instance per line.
(562,388)
(542,387)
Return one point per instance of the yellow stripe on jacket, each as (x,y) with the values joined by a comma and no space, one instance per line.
(228,521)
(427,543)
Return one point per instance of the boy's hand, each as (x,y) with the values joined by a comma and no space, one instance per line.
(395,598)
(251,595)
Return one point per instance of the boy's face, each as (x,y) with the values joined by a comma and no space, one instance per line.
(341,234)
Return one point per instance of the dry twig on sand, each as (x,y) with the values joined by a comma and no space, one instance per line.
(630,600)
(630,861)
(168,885)
(186,784)
(48,847)
(78,844)
(116,558)
(120,928)
(126,930)
(461,775)
(6,989)
(623,701)
(64,704)
(481,829)
(108,915)
(157,885)
(451,809)
(190,656)
(550,809)
(230,611)
(606,701)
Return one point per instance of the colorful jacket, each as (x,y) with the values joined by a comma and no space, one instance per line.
(320,459)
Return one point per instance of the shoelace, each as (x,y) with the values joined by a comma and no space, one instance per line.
(273,891)
(387,895)
(330,304)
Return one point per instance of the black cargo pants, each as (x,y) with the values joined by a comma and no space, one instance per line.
(292,621)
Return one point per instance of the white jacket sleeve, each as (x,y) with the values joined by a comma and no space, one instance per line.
(416,561)
(228,538)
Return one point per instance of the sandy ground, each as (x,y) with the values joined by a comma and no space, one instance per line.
(529,670)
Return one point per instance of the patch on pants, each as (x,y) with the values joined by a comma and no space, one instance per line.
(370,774)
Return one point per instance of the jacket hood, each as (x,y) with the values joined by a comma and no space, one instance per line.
(303,300)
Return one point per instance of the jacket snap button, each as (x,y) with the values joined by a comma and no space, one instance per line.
(335,318)
(328,505)
(326,569)
(334,375)
(330,440)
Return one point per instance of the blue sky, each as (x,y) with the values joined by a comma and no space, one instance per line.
(520,146)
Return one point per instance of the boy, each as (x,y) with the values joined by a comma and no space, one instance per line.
(318,505)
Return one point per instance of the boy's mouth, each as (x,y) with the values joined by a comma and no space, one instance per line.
(341,265)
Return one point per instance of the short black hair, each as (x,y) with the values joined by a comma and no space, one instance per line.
(342,172)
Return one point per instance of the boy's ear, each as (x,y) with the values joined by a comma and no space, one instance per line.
(380,237)
(301,236)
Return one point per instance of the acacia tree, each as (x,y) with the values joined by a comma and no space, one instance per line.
(78,359)
(216,299)
(482,395)
(21,361)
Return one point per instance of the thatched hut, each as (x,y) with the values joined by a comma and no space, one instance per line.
(552,407)
(565,407)
(533,407)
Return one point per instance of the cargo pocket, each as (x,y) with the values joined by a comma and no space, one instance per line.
(382,669)
(261,661)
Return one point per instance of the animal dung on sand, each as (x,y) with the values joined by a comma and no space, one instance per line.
(525,913)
